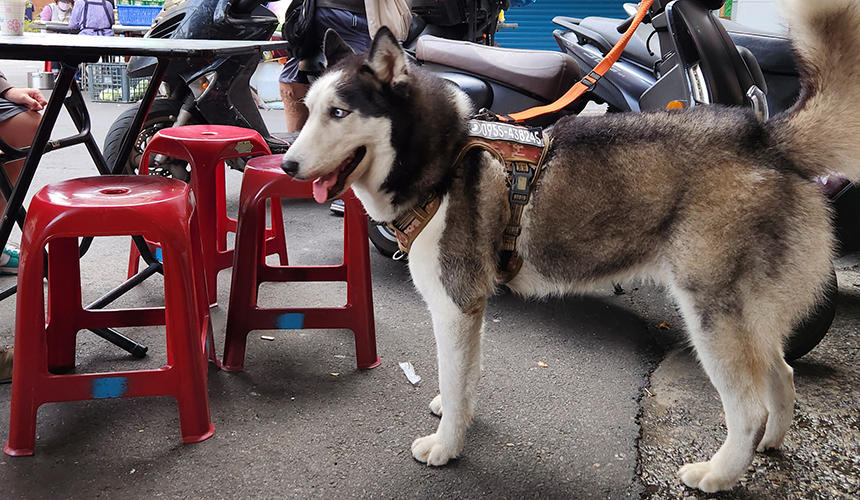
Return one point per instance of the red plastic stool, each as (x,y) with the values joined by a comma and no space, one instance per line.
(264,179)
(159,209)
(205,147)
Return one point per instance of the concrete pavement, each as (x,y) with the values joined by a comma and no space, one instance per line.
(301,421)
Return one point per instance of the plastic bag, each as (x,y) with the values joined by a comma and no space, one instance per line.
(395,14)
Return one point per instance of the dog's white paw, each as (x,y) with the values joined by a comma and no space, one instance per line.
(436,405)
(702,476)
(429,449)
(770,443)
(774,435)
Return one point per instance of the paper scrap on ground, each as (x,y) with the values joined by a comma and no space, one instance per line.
(409,371)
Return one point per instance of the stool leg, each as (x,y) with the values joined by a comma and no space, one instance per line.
(207,341)
(222,222)
(133,260)
(247,261)
(134,257)
(205,188)
(29,351)
(278,242)
(185,329)
(359,291)
(64,303)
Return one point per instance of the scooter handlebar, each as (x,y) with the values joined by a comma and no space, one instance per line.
(622,28)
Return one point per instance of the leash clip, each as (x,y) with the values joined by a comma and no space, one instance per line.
(486,115)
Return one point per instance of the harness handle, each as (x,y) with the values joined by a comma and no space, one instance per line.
(588,81)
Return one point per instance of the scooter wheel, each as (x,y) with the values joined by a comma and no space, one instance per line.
(810,331)
(162,114)
(382,238)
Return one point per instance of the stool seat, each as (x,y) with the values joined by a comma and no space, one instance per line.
(110,191)
(109,205)
(210,133)
(156,207)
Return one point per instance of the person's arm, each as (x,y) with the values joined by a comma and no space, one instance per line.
(32,98)
(76,19)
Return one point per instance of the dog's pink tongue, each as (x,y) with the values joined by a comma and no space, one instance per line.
(322,185)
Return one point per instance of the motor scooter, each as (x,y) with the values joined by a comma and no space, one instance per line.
(683,56)
(644,80)
(442,38)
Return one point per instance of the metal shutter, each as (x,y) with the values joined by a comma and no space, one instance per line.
(535,21)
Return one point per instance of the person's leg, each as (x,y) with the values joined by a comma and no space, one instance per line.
(292,94)
(18,132)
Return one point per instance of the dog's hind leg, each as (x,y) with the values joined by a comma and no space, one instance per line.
(458,347)
(780,405)
(738,367)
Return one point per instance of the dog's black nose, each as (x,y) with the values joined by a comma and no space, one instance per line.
(290,167)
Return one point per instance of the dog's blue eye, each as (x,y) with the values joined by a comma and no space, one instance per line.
(338,113)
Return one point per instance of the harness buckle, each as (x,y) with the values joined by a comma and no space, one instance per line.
(521,179)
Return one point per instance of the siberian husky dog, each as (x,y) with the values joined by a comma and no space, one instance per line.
(718,207)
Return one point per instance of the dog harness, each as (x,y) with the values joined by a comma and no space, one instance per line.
(522,150)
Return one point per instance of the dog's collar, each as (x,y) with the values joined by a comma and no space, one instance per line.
(522,150)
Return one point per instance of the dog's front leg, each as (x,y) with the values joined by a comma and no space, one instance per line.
(458,348)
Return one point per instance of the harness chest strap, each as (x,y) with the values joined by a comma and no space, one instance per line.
(523,163)
(408,226)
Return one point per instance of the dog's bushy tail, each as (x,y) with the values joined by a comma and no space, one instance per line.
(821,133)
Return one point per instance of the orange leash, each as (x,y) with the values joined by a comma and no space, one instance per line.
(588,81)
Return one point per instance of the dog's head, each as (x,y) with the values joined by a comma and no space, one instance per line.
(365,127)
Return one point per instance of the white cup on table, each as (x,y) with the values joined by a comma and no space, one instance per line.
(12,17)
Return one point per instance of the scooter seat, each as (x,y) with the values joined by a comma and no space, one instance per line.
(636,48)
(543,73)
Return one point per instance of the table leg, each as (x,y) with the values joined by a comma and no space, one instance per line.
(77,110)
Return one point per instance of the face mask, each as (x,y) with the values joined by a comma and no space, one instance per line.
(64,6)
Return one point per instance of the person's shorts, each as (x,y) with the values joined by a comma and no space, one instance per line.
(351,27)
(8,109)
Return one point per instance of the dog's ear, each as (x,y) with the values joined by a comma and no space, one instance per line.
(387,59)
(335,48)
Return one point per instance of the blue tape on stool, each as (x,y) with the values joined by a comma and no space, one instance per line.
(290,321)
(109,387)
(158,256)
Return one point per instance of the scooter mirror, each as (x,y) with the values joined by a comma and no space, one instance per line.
(631,8)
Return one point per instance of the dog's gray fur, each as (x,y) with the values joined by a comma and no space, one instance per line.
(718,207)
